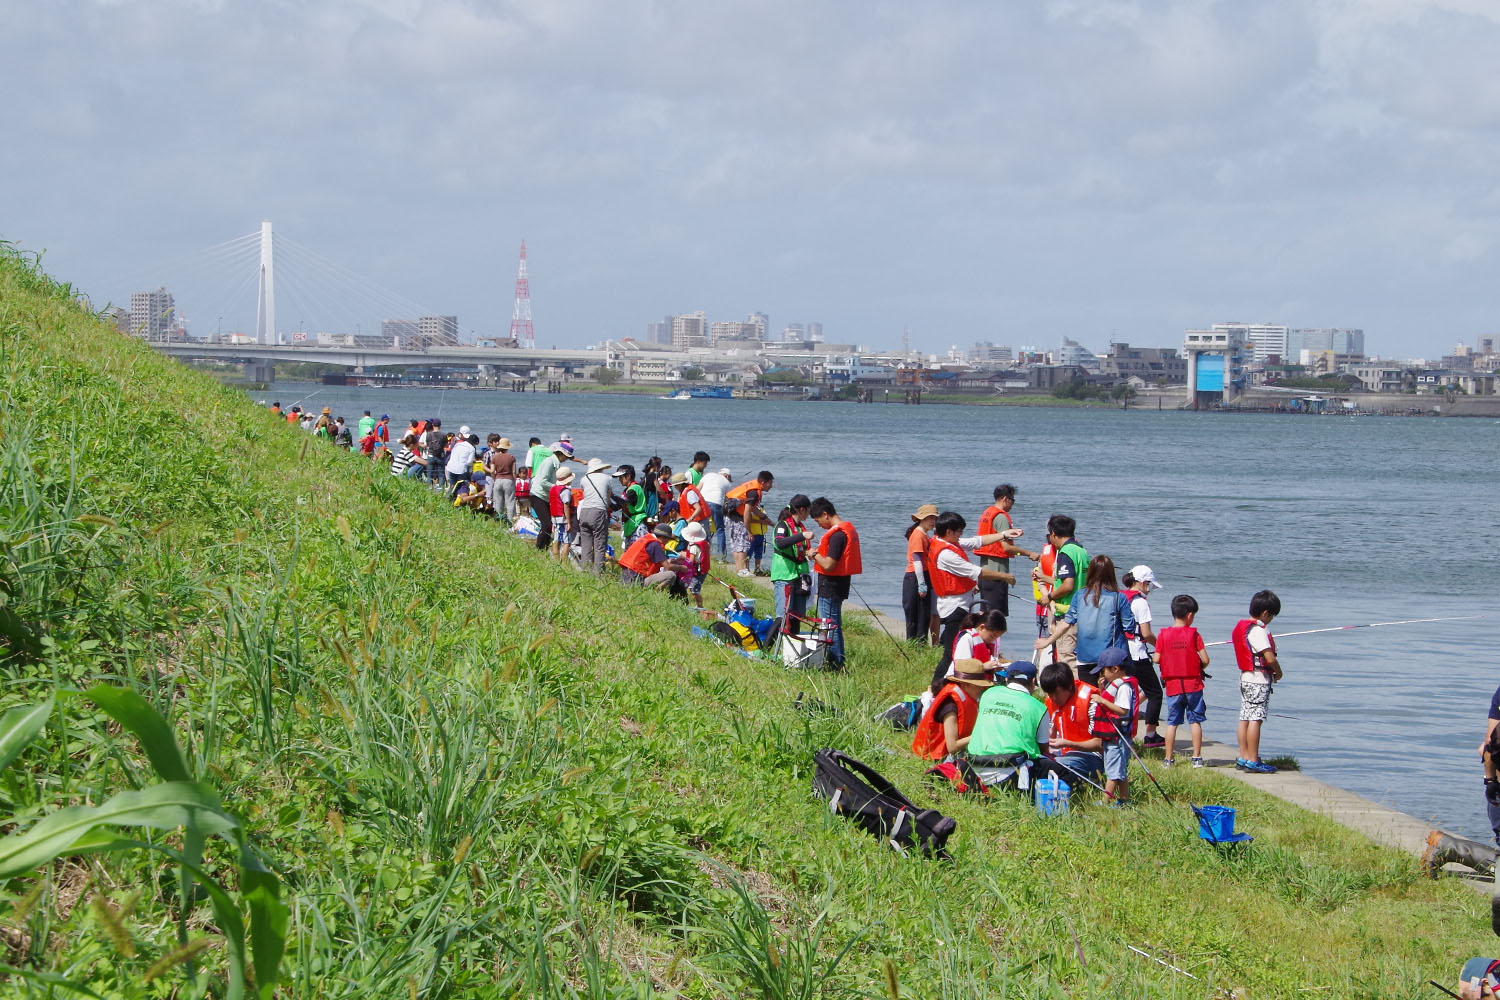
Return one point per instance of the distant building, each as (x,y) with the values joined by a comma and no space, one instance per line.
(1074,353)
(659,333)
(1263,340)
(1378,376)
(734,333)
(399,332)
(690,330)
(152,315)
(815,332)
(794,333)
(1216,360)
(1150,364)
(437,331)
(762,324)
(1336,339)
(985,352)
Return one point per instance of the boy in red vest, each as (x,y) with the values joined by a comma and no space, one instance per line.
(1114,713)
(1255,653)
(1183,657)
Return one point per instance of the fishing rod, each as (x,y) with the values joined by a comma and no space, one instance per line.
(1082,778)
(876,615)
(1130,744)
(1345,628)
(304,399)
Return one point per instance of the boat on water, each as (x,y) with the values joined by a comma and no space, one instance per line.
(703,392)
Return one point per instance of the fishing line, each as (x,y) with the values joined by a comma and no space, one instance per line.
(876,615)
(1137,755)
(1345,628)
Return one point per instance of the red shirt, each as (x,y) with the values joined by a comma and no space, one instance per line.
(1181,666)
(560,500)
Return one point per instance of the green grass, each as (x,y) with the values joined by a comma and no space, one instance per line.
(478,773)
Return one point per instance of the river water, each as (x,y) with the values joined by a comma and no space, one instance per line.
(1350,520)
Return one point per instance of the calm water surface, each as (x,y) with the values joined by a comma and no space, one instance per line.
(1349,520)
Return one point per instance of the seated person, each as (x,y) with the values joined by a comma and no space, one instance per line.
(646,562)
(948,721)
(1009,744)
(469,494)
(1074,746)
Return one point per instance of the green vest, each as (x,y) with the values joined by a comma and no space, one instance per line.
(635,509)
(784,567)
(1007,723)
(1080,560)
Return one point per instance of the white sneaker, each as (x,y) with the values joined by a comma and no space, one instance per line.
(745,572)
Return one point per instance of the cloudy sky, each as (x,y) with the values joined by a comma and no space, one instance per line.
(1006,171)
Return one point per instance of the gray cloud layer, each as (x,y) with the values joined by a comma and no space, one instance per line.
(1015,172)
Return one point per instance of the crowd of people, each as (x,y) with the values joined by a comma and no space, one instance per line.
(1094,670)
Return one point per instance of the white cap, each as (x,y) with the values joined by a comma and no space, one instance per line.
(726,473)
(1143,574)
(463,431)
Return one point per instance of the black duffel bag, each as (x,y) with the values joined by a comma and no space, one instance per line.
(858,792)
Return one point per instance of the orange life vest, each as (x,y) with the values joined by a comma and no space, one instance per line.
(291,417)
(1071,722)
(946,584)
(849,563)
(691,506)
(987,526)
(929,742)
(635,558)
(742,490)
(1041,592)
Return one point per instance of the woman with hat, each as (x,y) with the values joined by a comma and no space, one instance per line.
(916,591)
(501,466)
(598,499)
(949,720)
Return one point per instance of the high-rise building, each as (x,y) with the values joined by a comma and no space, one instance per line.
(437,331)
(1264,339)
(1074,353)
(762,324)
(732,330)
(659,333)
(794,333)
(152,315)
(1336,339)
(399,332)
(815,332)
(690,330)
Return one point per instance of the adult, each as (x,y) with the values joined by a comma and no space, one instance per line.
(1139,583)
(501,466)
(1013,734)
(691,507)
(543,478)
(1443,847)
(536,452)
(599,498)
(996,518)
(713,485)
(916,585)
(646,562)
(695,469)
(1070,562)
(739,508)
(366,424)
(838,562)
(1098,618)
(342,435)
(633,505)
(791,579)
(383,430)
(955,581)
(460,466)
(408,461)
(948,723)
(650,472)
(434,445)
(1074,745)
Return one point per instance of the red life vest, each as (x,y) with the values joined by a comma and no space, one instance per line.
(848,563)
(697,557)
(635,558)
(523,487)
(1102,721)
(929,743)
(1071,722)
(982,651)
(1179,664)
(946,584)
(987,520)
(1244,656)
(691,506)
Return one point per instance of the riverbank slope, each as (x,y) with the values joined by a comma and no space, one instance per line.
(483,774)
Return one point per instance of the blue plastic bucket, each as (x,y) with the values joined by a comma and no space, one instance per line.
(1052,796)
(1216,823)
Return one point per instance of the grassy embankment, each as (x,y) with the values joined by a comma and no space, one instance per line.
(482,774)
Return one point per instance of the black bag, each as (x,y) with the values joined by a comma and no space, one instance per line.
(856,791)
(903,715)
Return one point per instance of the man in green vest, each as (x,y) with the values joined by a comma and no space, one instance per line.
(1009,744)
(632,504)
(1066,581)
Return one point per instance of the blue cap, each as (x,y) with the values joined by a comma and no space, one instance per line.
(1114,656)
(1020,668)
(385,416)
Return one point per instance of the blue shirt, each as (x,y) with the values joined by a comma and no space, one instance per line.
(1100,626)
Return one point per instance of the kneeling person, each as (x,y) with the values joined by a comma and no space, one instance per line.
(948,721)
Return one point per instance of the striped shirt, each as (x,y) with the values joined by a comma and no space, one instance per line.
(403,458)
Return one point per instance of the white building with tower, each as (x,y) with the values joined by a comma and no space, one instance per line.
(1216,360)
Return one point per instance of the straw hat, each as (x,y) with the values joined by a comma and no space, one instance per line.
(680,479)
(565,476)
(503,444)
(597,465)
(973,672)
(926,510)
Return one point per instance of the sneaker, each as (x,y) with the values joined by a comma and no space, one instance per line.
(1166,762)
(1239,763)
(1198,762)
(1154,741)
(1257,767)
(744,572)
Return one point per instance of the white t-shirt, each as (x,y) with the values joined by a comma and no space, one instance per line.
(1260,641)
(958,566)
(1142,612)
(712,486)
(1122,693)
(460,457)
(963,646)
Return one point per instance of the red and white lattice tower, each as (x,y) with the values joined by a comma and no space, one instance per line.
(520,320)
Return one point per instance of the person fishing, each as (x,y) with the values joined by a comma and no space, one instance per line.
(955,581)
(838,562)
(916,586)
(1070,562)
(1099,618)
(997,555)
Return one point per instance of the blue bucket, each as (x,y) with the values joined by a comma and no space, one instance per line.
(1216,824)
(1052,796)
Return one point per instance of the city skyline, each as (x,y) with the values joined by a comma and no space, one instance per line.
(1012,173)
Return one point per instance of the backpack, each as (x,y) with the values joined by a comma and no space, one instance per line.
(856,791)
(903,715)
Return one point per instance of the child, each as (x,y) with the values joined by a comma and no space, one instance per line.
(1180,651)
(1255,652)
(1068,702)
(560,506)
(1113,716)
(695,556)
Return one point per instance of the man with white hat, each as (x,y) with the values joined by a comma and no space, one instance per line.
(460,467)
(1138,583)
(593,512)
(712,486)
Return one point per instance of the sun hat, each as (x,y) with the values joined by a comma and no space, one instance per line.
(970,672)
(565,437)
(463,431)
(694,533)
(926,510)
(503,444)
(565,475)
(726,473)
(680,479)
(1143,574)
(327,409)
(597,465)
(1114,656)
(662,531)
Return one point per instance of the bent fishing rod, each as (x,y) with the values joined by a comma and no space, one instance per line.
(1345,628)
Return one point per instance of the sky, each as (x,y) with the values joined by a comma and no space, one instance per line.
(1014,172)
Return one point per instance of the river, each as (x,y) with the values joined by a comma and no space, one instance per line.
(1350,520)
